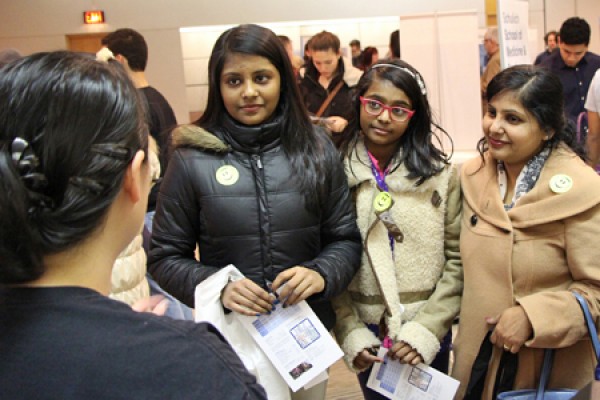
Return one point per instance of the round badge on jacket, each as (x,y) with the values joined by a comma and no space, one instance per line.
(227,175)
(561,183)
(383,202)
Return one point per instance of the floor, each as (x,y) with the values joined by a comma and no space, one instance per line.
(343,384)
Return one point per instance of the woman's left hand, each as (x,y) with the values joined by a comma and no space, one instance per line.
(300,283)
(405,353)
(512,330)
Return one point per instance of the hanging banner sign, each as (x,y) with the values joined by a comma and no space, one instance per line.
(513,22)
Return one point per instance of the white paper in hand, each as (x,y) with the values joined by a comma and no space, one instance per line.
(402,381)
(295,341)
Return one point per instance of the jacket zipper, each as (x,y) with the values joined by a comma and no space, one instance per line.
(263,215)
(257,160)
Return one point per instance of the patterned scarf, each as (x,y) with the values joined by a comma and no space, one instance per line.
(526,179)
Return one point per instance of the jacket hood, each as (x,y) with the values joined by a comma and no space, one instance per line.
(193,136)
(230,137)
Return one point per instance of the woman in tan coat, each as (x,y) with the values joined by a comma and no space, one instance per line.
(531,219)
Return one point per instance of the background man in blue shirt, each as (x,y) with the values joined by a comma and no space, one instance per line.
(574,64)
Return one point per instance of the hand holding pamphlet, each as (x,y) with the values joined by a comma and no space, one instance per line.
(296,342)
(414,382)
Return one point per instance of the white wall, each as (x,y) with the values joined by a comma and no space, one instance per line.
(165,68)
(590,10)
(443,47)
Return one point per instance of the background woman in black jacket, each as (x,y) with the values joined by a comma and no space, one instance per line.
(253,184)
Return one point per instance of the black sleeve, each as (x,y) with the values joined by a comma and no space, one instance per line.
(340,258)
(172,261)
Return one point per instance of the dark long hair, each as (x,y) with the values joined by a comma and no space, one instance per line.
(366,57)
(541,94)
(416,149)
(69,126)
(302,146)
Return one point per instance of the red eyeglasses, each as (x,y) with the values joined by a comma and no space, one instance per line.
(375,108)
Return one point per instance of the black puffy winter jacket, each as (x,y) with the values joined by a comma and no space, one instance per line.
(257,222)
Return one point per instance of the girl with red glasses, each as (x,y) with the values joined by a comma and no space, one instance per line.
(408,289)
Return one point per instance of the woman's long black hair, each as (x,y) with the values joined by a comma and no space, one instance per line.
(302,146)
(69,127)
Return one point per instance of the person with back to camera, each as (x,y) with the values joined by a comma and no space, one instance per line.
(129,48)
(394,45)
(75,183)
(534,205)
(407,292)
(254,184)
(369,56)
(327,83)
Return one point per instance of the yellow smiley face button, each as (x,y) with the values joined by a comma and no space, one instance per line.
(383,201)
(561,183)
(227,175)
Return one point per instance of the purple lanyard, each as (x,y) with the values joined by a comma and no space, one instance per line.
(378,173)
(380,179)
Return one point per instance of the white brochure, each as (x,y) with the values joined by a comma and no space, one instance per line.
(402,381)
(296,342)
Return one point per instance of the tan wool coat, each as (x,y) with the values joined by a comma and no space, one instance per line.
(532,255)
(417,292)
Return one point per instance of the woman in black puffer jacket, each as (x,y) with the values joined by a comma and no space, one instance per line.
(253,184)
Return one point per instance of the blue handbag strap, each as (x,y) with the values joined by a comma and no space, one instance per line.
(549,353)
(591,325)
(546,368)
